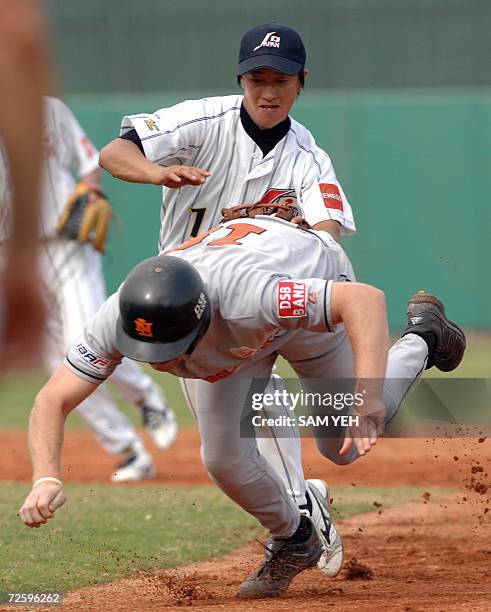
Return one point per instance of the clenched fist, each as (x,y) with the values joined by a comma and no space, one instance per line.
(42,503)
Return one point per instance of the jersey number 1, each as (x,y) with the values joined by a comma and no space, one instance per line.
(198,220)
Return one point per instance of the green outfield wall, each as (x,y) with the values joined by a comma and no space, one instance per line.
(155,45)
(415,164)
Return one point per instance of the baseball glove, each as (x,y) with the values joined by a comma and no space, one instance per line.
(288,212)
(86,216)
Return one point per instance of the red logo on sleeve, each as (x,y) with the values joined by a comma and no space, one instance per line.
(292,299)
(331,196)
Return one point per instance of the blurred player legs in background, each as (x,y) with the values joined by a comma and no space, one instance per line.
(23,80)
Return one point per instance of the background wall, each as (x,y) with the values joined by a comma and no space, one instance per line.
(155,45)
(399,95)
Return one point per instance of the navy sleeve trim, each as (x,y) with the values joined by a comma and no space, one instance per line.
(326,318)
(133,136)
(83,371)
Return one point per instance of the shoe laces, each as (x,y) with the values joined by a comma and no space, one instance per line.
(270,556)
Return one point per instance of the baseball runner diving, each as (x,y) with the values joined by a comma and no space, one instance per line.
(188,312)
(241,149)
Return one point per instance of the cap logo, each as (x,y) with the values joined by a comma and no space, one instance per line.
(270,40)
(143,328)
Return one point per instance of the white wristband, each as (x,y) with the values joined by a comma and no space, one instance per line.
(47,479)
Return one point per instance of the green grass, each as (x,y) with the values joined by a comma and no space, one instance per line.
(17,393)
(105,533)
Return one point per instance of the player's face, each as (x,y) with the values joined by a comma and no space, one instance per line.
(269,96)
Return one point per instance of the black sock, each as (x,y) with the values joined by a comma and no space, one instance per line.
(430,339)
(303,531)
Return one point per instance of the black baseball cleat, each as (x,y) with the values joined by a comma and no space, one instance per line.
(426,317)
(284,559)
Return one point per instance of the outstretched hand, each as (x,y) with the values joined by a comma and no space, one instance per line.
(369,427)
(178,176)
(41,504)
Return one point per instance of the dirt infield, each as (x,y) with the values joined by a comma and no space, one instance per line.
(430,555)
(410,558)
(392,462)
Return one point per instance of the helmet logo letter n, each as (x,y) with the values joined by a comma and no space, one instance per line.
(143,328)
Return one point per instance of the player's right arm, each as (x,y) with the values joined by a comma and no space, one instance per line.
(89,361)
(124,160)
(159,148)
(61,394)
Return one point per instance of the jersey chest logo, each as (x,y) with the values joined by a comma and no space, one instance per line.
(284,197)
(287,197)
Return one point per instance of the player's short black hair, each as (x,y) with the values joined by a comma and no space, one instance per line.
(301,78)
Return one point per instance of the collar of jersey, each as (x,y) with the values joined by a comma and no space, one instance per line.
(266,139)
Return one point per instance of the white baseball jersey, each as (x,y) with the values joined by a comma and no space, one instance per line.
(208,133)
(68,153)
(254,302)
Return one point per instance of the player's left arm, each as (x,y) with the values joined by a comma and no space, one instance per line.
(322,306)
(362,310)
(330,226)
(323,202)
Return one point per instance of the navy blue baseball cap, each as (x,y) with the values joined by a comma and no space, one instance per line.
(271,45)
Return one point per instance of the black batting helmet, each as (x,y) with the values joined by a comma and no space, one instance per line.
(163,309)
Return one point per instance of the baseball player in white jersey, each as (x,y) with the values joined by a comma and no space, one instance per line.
(219,151)
(218,309)
(74,288)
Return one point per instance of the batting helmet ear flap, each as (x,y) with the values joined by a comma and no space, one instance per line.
(164,309)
